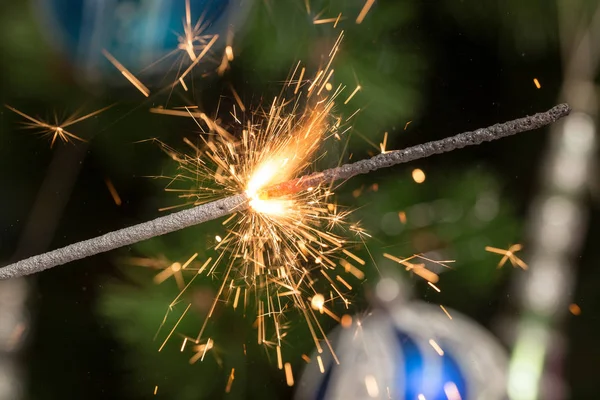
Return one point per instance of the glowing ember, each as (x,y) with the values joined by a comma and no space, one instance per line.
(418,175)
(508,255)
(574,309)
(289,376)
(436,347)
(126,73)
(445,311)
(372,387)
(346,321)
(317,302)
(364,11)
(113,191)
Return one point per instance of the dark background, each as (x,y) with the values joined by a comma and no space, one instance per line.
(447,66)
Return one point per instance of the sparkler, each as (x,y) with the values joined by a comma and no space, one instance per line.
(282,250)
(240,201)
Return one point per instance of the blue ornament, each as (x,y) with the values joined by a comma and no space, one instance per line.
(135,32)
(413,352)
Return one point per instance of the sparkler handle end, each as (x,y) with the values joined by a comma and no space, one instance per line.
(125,237)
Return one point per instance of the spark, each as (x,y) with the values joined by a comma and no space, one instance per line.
(418,175)
(324,21)
(168,269)
(237,98)
(178,113)
(348,267)
(350,117)
(508,255)
(335,20)
(371,385)
(406,125)
(437,289)
(436,347)
(229,53)
(57,129)
(299,80)
(317,302)
(198,58)
(343,282)
(126,73)
(383,144)
(173,270)
(574,309)
(289,376)
(306,358)
(364,11)
(155,390)
(417,269)
(320,362)
(174,327)
(346,321)
(354,256)
(113,192)
(446,312)
(279,358)
(201,350)
(237,297)
(451,391)
(230,381)
(183,84)
(402,217)
(537,83)
(193,45)
(352,94)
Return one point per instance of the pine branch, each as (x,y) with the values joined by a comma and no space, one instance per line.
(220,208)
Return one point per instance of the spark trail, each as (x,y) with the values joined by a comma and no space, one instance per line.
(239,202)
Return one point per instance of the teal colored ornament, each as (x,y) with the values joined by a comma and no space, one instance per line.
(137,33)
